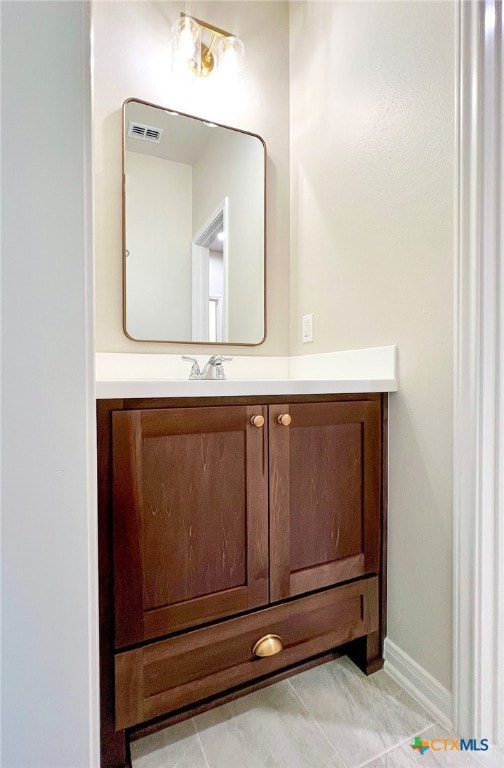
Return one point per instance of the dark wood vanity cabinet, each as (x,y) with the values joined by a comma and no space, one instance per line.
(223,521)
(190,518)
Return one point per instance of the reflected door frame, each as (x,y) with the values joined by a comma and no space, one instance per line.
(218,221)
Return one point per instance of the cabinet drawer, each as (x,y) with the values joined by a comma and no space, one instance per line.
(166,675)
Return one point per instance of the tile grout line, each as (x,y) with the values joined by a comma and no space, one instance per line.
(296,694)
(200,742)
(431,722)
(396,746)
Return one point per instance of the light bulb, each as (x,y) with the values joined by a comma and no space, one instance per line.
(231,50)
(187,42)
(186,50)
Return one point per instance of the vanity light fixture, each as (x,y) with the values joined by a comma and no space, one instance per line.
(222,54)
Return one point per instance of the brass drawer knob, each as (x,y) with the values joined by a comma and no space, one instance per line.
(284,419)
(269,645)
(257,421)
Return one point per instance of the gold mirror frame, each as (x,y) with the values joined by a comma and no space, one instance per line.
(125,253)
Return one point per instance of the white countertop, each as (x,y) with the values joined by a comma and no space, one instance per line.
(232,388)
(138,375)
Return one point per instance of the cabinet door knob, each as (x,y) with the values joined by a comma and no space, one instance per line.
(284,419)
(269,645)
(257,421)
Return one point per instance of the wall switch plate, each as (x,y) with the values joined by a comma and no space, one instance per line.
(307,334)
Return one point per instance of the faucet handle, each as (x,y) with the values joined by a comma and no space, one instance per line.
(215,366)
(195,370)
(218,359)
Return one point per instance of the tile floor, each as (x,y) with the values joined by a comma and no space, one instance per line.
(332,716)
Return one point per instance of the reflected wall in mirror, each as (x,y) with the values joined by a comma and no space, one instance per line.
(193,229)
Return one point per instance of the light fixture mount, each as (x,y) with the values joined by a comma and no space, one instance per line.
(207,61)
(222,51)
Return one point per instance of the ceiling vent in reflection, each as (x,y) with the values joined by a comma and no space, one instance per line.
(145,132)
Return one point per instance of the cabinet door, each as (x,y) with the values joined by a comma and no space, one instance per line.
(325,494)
(190,519)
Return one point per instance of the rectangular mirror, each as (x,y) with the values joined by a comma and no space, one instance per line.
(193,229)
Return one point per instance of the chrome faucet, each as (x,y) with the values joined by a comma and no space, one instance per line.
(195,370)
(214,368)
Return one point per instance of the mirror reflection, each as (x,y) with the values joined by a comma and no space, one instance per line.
(193,229)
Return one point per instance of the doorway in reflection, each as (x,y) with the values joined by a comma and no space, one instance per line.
(209,278)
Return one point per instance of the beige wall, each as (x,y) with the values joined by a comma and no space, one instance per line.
(372,221)
(132,59)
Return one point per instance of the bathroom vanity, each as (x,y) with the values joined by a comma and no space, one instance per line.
(242,538)
(241,523)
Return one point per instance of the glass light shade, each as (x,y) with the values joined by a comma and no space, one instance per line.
(230,61)
(186,47)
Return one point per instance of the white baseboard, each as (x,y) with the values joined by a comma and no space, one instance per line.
(419,683)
